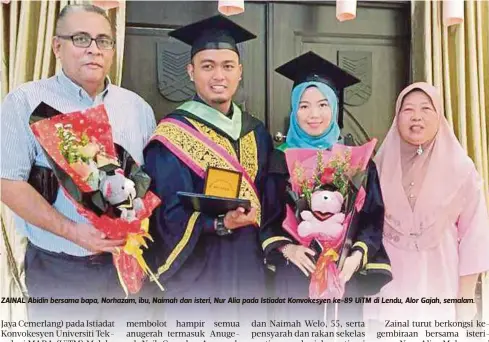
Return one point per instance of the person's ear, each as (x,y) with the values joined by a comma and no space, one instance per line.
(190,71)
(56,46)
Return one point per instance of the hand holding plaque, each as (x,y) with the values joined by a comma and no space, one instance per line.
(240,218)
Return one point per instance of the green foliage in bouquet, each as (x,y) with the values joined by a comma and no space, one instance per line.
(342,172)
(69,144)
(81,153)
(336,173)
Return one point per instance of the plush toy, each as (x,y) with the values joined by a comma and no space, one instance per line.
(325,220)
(120,192)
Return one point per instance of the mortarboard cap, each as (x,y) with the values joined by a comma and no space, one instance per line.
(312,67)
(216,32)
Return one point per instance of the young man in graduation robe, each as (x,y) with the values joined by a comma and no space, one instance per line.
(196,254)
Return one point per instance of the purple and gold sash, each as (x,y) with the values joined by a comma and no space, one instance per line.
(202,147)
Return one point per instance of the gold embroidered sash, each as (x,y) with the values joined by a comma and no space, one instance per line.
(205,147)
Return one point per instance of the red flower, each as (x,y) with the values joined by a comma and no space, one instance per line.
(327,176)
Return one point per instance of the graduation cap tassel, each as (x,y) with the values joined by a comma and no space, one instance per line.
(230,7)
(346,9)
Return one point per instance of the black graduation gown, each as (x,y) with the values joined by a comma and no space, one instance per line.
(208,265)
(289,280)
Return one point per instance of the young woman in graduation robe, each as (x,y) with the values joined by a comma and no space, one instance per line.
(313,125)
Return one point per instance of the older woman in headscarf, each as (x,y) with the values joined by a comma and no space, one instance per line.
(315,102)
(436,229)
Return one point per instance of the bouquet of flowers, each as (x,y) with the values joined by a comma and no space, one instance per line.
(327,190)
(103,181)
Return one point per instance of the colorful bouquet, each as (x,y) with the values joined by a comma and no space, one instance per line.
(103,181)
(327,189)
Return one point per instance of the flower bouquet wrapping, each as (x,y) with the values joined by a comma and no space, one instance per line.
(103,181)
(327,188)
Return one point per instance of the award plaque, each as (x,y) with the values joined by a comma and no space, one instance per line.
(222,183)
(221,191)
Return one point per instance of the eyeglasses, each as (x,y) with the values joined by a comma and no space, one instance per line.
(83,40)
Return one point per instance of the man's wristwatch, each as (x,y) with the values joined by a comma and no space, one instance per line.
(221,230)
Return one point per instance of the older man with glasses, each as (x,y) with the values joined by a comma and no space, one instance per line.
(66,256)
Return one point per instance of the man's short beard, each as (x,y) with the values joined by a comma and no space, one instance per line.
(219,101)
